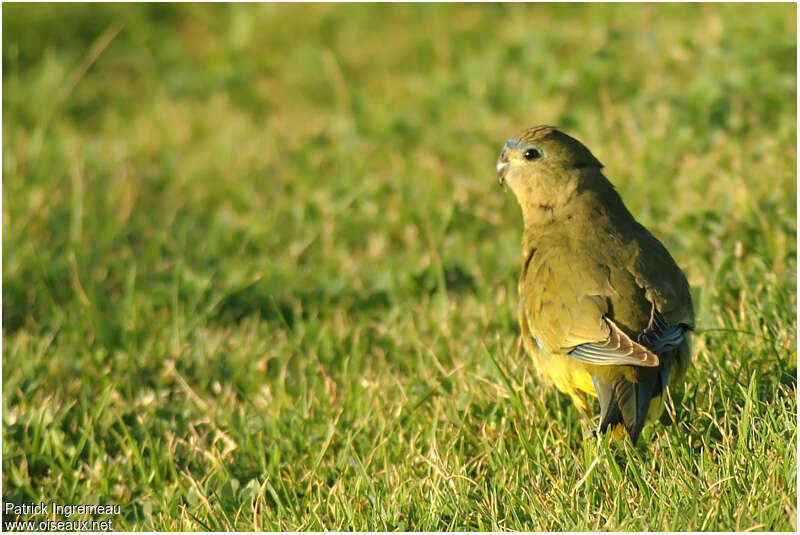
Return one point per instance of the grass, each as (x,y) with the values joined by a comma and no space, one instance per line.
(258,274)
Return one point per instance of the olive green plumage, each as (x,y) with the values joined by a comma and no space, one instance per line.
(604,310)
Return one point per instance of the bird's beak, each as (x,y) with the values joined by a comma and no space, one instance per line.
(502,167)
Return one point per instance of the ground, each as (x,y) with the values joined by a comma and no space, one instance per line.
(258,272)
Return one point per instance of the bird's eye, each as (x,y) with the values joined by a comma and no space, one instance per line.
(533,154)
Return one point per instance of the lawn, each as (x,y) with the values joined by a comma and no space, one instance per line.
(258,272)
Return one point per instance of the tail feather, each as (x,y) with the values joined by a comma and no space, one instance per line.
(609,411)
(633,400)
(627,402)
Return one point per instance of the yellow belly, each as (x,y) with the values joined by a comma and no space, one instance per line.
(566,373)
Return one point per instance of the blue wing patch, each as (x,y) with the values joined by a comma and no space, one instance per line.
(660,337)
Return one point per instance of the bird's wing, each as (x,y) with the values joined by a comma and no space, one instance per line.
(566,306)
(616,349)
(660,336)
(665,287)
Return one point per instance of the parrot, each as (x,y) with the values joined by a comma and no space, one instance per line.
(604,310)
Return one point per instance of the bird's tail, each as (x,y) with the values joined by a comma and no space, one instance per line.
(626,402)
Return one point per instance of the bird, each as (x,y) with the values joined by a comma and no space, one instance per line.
(604,310)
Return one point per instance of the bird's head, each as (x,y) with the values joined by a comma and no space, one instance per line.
(543,164)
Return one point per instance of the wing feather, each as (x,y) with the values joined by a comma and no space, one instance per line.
(617,349)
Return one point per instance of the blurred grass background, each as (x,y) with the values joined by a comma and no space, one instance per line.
(258,274)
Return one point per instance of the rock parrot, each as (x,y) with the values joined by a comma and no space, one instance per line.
(603,308)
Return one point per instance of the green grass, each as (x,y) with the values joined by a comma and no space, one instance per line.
(257,271)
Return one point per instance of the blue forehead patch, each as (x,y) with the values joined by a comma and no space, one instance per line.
(515,144)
